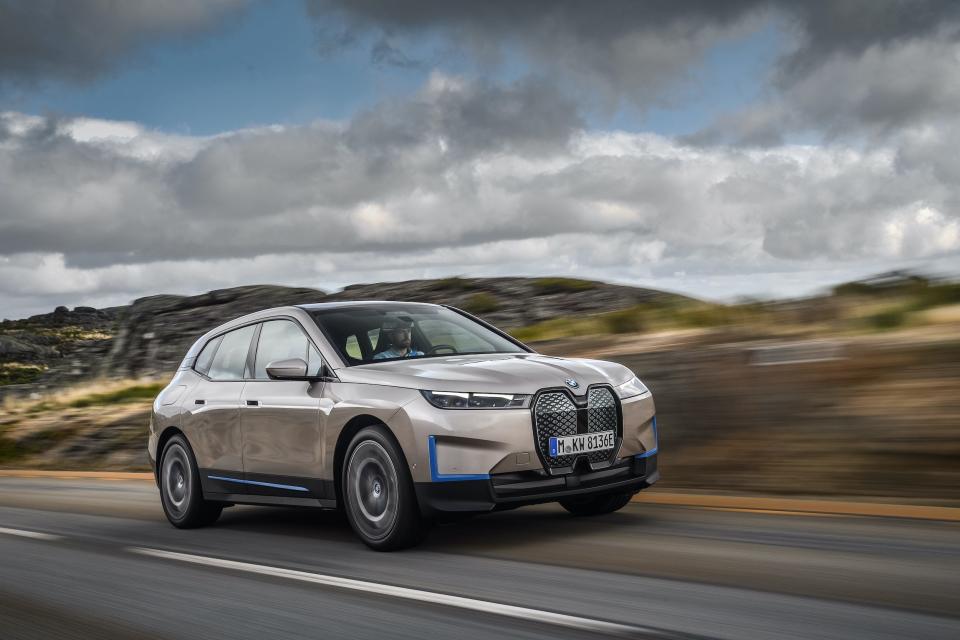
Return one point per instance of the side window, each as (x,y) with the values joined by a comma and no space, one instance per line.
(279,340)
(314,361)
(231,358)
(206,356)
(352,347)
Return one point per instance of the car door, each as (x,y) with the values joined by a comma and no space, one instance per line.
(212,423)
(281,419)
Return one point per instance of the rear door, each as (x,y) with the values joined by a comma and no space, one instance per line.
(213,422)
(281,419)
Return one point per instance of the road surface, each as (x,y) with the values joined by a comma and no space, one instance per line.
(88,558)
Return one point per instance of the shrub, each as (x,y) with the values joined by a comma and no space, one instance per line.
(546,286)
(456,283)
(480,303)
(890,319)
(626,321)
(18,373)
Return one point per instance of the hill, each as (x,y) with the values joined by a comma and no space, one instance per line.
(149,337)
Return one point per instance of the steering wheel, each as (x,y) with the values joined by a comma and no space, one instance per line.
(432,350)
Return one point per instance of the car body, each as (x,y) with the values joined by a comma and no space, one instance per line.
(472,430)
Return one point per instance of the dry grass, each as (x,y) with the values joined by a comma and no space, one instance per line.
(94,392)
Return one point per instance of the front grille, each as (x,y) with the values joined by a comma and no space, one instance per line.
(601,416)
(555,414)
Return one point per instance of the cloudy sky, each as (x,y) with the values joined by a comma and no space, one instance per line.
(717,148)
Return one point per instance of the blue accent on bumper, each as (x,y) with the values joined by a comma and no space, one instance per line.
(656,442)
(435,474)
(272,485)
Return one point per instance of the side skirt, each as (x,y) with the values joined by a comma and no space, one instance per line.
(276,501)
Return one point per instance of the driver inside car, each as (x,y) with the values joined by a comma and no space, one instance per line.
(399,333)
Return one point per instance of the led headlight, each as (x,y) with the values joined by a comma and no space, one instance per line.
(630,388)
(463,400)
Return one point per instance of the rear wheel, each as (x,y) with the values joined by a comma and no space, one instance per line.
(180,491)
(378,493)
(596,505)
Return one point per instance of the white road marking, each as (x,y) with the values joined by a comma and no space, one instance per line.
(36,535)
(484,606)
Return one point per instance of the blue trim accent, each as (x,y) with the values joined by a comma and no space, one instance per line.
(656,442)
(272,485)
(435,474)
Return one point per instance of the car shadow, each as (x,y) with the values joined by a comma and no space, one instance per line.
(528,526)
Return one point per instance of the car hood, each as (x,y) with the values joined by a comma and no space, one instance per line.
(501,372)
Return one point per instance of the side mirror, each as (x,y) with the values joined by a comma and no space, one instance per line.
(289,369)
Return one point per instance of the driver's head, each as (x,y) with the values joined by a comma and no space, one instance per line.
(398,331)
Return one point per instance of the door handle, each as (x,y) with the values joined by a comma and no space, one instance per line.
(253,403)
(199,402)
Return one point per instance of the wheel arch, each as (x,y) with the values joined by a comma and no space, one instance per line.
(162,440)
(352,428)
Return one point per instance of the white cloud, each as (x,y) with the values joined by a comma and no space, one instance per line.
(445,183)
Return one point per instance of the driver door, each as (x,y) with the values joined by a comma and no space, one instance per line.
(281,420)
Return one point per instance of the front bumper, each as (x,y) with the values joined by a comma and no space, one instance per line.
(509,490)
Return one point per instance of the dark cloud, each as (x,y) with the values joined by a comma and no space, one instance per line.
(78,40)
(850,27)
(850,64)
(608,49)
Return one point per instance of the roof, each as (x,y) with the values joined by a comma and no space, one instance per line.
(319,306)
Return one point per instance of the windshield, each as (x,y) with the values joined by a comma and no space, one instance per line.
(376,333)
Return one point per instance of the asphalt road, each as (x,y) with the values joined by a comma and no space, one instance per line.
(96,559)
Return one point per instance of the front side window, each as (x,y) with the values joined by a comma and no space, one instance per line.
(378,332)
(230,360)
(281,340)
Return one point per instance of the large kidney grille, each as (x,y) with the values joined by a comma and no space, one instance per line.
(556,415)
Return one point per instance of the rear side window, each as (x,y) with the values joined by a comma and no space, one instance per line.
(230,359)
(280,340)
(206,356)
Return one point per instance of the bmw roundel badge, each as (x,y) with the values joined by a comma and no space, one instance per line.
(573,384)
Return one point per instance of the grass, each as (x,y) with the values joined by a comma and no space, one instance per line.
(547,286)
(19,372)
(95,393)
(480,303)
(455,283)
(653,316)
(13,450)
(126,394)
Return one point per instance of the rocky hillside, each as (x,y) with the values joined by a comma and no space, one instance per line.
(150,336)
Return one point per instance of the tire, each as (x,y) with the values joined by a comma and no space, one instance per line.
(378,494)
(180,490)
(596,505)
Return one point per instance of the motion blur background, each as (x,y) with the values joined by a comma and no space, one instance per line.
(777,182)
(855,392)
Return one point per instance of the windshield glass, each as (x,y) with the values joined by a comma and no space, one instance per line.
(376,333)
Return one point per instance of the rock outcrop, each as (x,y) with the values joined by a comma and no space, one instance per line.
(150,336)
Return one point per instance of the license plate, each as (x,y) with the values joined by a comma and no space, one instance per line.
(582,443)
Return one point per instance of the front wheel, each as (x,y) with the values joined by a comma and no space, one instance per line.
(596,505)
(380,501)
(180,490)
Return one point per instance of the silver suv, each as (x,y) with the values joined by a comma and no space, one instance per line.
(398,413)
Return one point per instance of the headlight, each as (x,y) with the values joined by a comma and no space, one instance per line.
(630,388)
(463,400)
